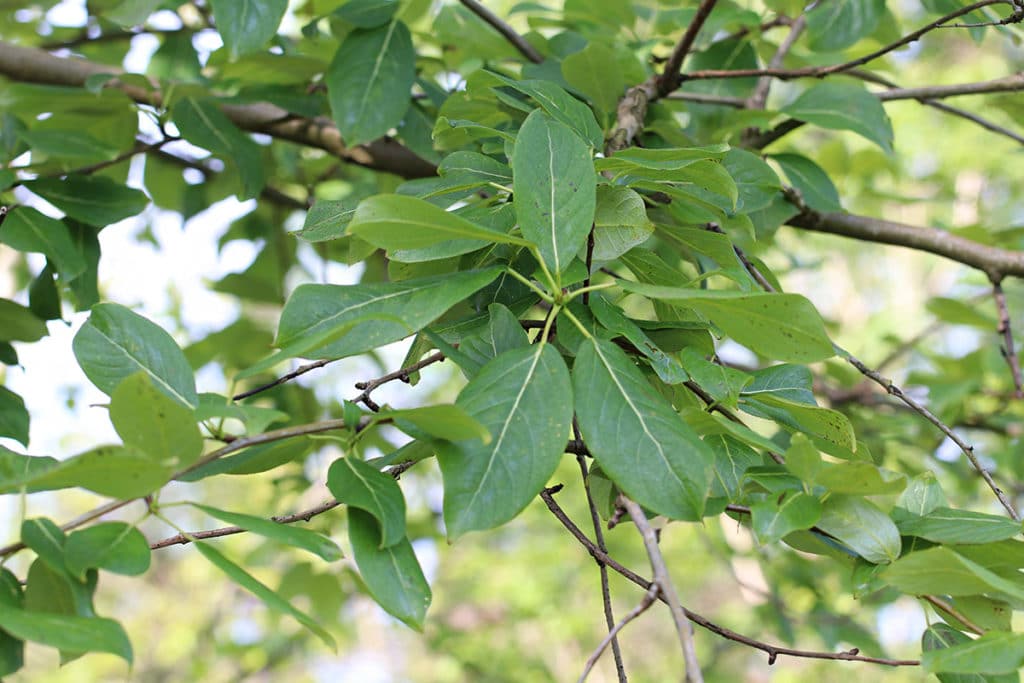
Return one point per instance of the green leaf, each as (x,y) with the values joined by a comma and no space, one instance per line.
(297,537)
(814,185)
(756,182)
(860,478)
(16,469)
(940,637)
(524,399)
(327,220)
(369,81)
(641,443)
(18,323)
(392,574)
(481,167)
(791,382)
(774,518)
(823,423)
(318,309)
(114,546)
(254,459)
(367,13)
(93,199)
(860,525)
(359,485)
(261,591)
(781,326)
(717,247)
(202,123)
(392,221)
(941,570)
(996,652)
(502,333)
(131,13)
(555,189)
(68,144)
(837,25)
(25,229)
(558,104)
(67,633)
(945,525)
(843,106)
(47,540)
(13,416)
(922,495)
(658,163)
(960,313)
(595,72)
(668,369)
(115,471)
(620,222)
(248,25)
(447,422)
(148,419)
(732,458)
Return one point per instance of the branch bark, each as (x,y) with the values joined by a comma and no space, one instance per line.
(31,65)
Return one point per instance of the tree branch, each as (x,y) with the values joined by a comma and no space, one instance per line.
(31,65)
(670,78)
(649,598)
(517,41)
(1009,352)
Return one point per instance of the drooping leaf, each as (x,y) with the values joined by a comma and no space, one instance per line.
(25,229)
(938,638)
(14,416)
(327,220)
(448,422)
(996,652)
(860,478)
(93,199)
(641,443)
(114,546)
(67,633)
(555,189)
(148,419)
(115,471)
(116,343)
(524,398)
(18,323)
(943,571)
(248,25)
(362,486)
(295,536)
(843,106)
(46,539)
(369,81)
(815,186)
(946,525)
(558,104)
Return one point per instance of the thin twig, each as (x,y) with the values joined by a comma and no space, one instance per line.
(1009,352)
(944,606)
(298,372)
(670,78)
(773,651)
(758,98)
(517,41)
(81,520)
(684,629)
(649,599)
(753,270)
(401,374)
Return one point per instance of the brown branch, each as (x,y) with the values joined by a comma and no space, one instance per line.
(31,65)
(944,606)
(1009,352)
(649,598)
(298,372)
(670,78)
(822,71)
(758,98)
(1012,83)
(81,520)
(773,651)
(400,374)
(517,41)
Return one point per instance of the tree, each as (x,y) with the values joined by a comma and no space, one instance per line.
(597,217)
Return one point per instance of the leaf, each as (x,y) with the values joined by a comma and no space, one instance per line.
(369,81)
(247,25)
(66,632)
(14,416)
(842,106)
(555,189)
(502,333)
(941,570)
(327,220)
(297,537)
(18,323)
(711,245)
(392,574)
(115,471)
(922,495)
(524,399)
(201,122)
(447,422)
(261,591)
(774,518)
(46,539)
(780,326)
(668,369)
(823,423)
(359,485)
(860,478)
(148,419)
(658,163)
(25,229)
(558,104)
(620,222)
(940,637)
(367,13)
(838,25)
(595,72)
(115,343)
(93,199)
(131,13)
(318,309)
(478,166)
(732,458)
(756,182)
(114,546)
(392,221)
(996,652)
(945,525)
(815,186)
(791,382)
(641,443)
(16,469)
(860,525)
(254,459)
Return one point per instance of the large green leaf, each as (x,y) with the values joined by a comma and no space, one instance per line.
(327,220)
(18,323)
(13,416)
(392,221)
(114,546)
(555,188)
(247,25)
(945,525)
(448,422)
(595,72)
(781,326)
(502,333)
(46,540)
(838,24)
(392,574)
(524,398)
(860,525)
(367,13)
(67,633)
(643,445)
(202,123)
(26,229)
(941,570)
(732,458)
(17,470)
(261,591)
(148,419)
(93,199)
(620,222)
(843,106)
(996,652)
(824,423)
(369,81)
(811,180)
(297,537)
(386,312)
(115,471)
(658,163)
(362,486)
(115,343)
(557,103)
